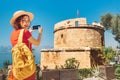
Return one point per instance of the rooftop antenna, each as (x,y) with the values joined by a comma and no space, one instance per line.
(78,14)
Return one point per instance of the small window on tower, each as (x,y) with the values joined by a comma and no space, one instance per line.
(76,23)
(61,35)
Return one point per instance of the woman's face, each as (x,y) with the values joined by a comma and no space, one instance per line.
(25,22)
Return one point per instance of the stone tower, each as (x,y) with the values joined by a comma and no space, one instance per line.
(74,38)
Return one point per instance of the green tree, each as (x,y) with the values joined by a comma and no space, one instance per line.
(112,23)
(108,54)
(116,27)
(106,21)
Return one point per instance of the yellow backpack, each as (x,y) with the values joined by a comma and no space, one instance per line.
(23,59)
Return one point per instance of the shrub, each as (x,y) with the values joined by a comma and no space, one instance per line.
(84,73)
(117,71)
(71,63)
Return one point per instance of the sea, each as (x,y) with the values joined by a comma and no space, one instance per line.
(7,56)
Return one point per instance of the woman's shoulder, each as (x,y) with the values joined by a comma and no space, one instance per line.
(26,31)
(15,32)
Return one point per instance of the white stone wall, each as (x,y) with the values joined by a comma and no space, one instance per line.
(53,58)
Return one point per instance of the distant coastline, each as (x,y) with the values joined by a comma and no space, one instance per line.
(5,56)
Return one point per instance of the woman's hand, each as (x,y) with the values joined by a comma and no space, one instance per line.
(40,30)
(31,30)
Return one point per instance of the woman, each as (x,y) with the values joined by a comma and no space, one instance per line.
(21,20)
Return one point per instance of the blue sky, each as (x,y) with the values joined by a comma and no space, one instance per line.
(49,12)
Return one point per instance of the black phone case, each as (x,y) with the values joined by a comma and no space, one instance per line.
(35,27)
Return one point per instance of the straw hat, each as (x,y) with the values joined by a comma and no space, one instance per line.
(19,13)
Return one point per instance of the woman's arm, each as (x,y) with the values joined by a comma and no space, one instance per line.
(36,41)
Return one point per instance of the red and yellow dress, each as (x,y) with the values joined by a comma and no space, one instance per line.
(14,40)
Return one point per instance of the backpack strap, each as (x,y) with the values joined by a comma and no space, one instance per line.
(20,36)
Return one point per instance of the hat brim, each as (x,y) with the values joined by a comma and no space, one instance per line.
(19,14)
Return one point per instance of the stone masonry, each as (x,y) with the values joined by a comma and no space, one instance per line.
(74,38)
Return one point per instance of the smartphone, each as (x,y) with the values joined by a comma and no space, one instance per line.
(35,27)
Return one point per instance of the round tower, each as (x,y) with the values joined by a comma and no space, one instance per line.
(76,33)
